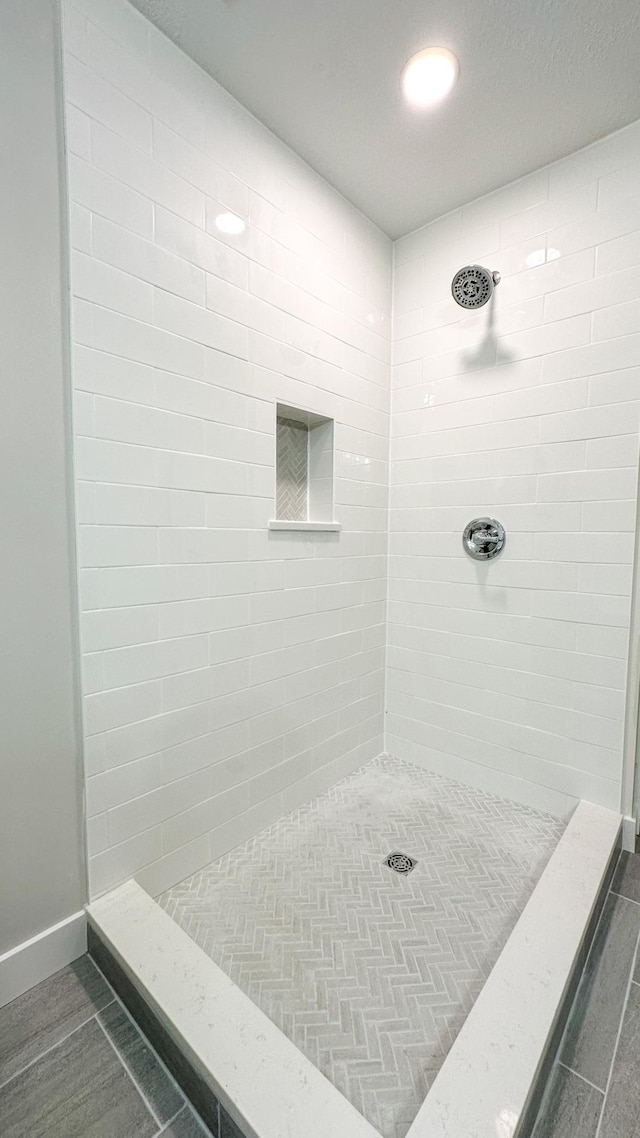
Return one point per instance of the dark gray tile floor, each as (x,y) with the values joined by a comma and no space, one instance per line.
(74,1065)
(594,1089)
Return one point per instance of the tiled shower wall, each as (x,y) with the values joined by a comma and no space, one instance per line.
(230,673)
(511,674)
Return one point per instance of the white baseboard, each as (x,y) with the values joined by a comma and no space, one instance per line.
(36,959)
(629,831)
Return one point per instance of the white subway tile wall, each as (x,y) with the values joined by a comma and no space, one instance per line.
(511,674)
(229,673)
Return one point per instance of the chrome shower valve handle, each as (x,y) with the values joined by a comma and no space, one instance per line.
(483,538)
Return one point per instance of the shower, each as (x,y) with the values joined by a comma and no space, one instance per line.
(473,286)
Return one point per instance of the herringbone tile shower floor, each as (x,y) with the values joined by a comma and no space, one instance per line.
(369,973)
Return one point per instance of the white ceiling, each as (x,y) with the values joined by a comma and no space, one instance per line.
(538,79)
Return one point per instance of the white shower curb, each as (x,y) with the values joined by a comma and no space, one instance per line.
(272,1090)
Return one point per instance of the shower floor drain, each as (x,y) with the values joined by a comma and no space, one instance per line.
(400,862)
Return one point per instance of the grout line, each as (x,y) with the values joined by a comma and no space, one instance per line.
(624,897)
(581,1077)
(130,1075)
(617,1043)
(178,1089)
(53,1046)
(188,1109)
(545,1098)
(171,1121)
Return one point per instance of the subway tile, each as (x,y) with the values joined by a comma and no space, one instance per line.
(137,341)
(144,259)
(593,161)
(101,101)
(191,322)
(604,226)
(178,236)
(618,254)
(593,295)
(141,82)
(116,708)
(110,788)
(94,281)
(548,214)
(185,590)
(616,321)
(136,740)
(74,32)
(115,628)
(139,662)
(78,133)
(123,24)
(123,859)
(105,195)
(150,427)
(117,158)
(178,154)
(590,423)
(115,545)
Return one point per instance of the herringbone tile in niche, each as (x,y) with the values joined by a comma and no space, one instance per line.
(370,973)
(292,472)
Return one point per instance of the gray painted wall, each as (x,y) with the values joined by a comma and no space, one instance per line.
(42,878)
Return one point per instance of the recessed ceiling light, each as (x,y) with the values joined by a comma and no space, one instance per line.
(429,76)
(230,223)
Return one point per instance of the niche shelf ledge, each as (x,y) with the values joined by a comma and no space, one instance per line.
(313,527)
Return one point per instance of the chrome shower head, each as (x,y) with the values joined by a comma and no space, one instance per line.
(473,286)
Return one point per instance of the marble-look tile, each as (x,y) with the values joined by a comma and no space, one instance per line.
(47,1013)
(76,1090)
(227,1036)
(158,1089)
(627,876)
(572,1107)
(362,928)
(485,1083)
(592,1031)
(621,1116)
(185,1125)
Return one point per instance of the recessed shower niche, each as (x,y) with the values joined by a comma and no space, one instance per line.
(304,470)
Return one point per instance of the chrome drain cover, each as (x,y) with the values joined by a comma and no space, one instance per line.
(400,862)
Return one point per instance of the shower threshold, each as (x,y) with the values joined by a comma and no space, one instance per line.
(487,1077)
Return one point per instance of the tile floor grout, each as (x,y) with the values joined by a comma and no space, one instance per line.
(582,1077)
(321,870)
(169,1122)
(619,1033)
(624,897)
(47,1050)
(549,1123)
(134,1082)
(128,1072)
(167,1072)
